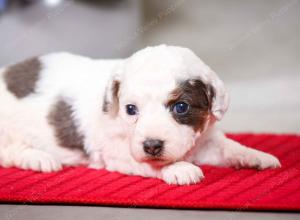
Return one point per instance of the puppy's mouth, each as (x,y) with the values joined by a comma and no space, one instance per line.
(156,161)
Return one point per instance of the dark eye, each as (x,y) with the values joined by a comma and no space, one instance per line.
(180,108)
(131,109)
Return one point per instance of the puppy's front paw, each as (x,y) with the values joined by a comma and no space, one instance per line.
(32,159)
(182,173)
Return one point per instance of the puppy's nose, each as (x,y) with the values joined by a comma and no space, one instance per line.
(153,147)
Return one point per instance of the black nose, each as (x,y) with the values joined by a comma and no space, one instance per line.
(153,147)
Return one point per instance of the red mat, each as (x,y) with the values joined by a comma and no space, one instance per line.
(222,188)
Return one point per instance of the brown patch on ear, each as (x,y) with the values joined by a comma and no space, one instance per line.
(198,96)
(112,106)
(65,128)
(22,77)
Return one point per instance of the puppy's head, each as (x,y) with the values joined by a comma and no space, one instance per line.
(167,97)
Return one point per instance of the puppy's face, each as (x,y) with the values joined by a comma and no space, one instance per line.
(164,123)
(165,104)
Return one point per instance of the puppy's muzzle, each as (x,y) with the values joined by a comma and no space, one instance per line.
(153,147)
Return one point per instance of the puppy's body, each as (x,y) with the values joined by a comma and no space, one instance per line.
(62,109)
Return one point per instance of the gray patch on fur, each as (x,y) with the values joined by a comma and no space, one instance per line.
(66,131)
(21,78)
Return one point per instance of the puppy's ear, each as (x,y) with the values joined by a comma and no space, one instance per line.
(219,96)
(111,98)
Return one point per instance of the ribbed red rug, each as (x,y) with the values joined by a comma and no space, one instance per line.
(222,188)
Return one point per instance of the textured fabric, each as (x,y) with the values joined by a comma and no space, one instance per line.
(222,188)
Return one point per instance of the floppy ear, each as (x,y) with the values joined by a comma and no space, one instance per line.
(111,97)
(220,97)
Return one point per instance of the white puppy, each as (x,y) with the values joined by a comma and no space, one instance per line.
(151,114)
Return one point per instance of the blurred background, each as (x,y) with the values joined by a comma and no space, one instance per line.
(253,45)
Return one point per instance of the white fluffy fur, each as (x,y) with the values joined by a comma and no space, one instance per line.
(114,142)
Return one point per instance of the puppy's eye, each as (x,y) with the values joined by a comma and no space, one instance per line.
(180,108)
(131,109)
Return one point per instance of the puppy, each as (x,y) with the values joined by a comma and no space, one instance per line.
(152,114)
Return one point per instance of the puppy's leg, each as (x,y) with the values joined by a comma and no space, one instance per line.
(222,151)
(24,157)
(181,173)
(237,155)
(95,160)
